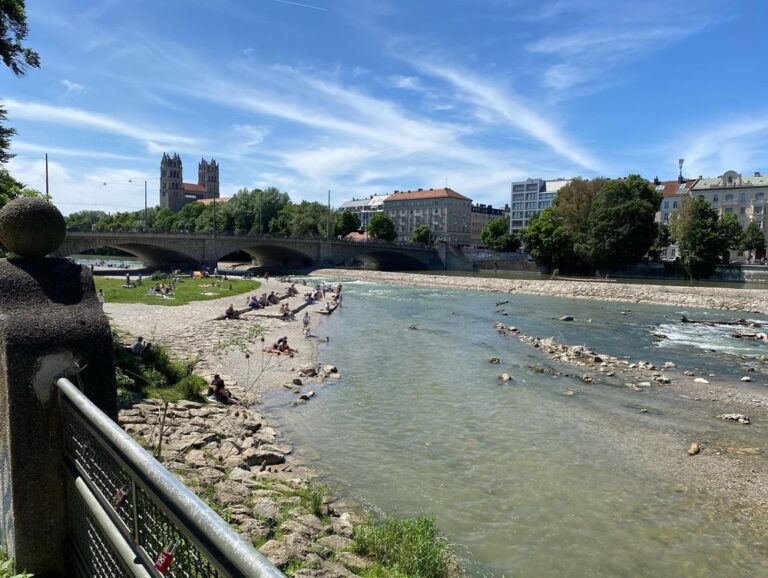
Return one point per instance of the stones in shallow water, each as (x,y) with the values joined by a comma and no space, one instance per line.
(566,318)
(494,360)
(701,380)
(737,417)
(505,377)
(746,378)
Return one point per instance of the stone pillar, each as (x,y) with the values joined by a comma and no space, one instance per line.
(51,324)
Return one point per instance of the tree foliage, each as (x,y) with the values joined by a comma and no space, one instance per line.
(753,239)
(382,227)
(700,237)
(595,223)
(731,231)
(5,137)
(422,235)
(346,223)
(496,236)
(13,31)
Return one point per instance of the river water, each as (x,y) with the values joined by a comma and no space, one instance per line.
(525,480)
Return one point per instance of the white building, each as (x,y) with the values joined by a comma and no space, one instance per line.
(530,197)
(365,208)
(444,211)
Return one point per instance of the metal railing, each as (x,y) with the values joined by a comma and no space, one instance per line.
(125,508)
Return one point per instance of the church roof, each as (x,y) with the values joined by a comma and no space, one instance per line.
(193,187)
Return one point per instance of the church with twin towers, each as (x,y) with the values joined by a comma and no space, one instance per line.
(175,193)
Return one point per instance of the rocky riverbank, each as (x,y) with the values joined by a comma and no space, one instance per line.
(747,300)
(231,455)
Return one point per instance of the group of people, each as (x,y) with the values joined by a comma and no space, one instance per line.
(162,289)
(261,302)
(217,391)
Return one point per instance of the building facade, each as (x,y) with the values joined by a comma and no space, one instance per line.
(673,193)
(529,198)
(175,193)
(735,194)
(479,216)
(444,211)
(365,208)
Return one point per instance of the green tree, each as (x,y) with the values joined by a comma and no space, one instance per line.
(731,230)
(13,31)
(346,222)
(280,224)
(662,240)
(5,137)
(84,220)
(422,235)
(753,240)
(700,240)
(496,236)
(382,227)
(548,241)
(621,227)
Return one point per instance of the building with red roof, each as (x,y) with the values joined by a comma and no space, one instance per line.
(444,211)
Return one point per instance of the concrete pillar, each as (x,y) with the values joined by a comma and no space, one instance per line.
(50,325)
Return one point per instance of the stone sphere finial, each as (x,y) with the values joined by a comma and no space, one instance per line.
(31,227)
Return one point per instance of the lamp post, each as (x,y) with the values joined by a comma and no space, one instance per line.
(146,209)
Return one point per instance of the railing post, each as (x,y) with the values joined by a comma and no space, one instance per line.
(50,324)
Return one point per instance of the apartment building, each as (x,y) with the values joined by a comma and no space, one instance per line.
(673,192)
(444,211)
(530,197)
(365,208)
(479,216)
(735,194)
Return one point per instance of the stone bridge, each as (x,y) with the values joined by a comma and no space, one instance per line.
(172,249)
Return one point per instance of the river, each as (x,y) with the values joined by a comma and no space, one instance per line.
(525,480)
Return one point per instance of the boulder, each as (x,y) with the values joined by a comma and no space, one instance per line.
(746,378)
(330,369)
(264,454)
(297,381)
(694,449)
(494,360)
(265,508)
(308,371)
(566,318)
(701,380)
(278,552)
(505,377)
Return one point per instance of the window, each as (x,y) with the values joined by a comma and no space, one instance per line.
(729,196)
(758,210)
(666,217)
(742,196)
(532,187)
(674,204)
(666,204)
(729,210)
(742,210)
(759,197)
(530,196)
(516,188)
(715,199)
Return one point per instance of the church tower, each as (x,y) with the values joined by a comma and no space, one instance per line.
(171,183)
(208,177)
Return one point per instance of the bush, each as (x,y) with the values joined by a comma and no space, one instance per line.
(191,387)
(410,547)
(8,567)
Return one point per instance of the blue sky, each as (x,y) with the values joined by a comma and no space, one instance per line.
(368,96)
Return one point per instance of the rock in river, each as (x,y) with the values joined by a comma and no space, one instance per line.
(739,417)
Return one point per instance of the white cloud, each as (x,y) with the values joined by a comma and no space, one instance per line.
(248,135)
(72,88)
(86,120)
(21,147)
(738,143)
(405,82)
(509,109)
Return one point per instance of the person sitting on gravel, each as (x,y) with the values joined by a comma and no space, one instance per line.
(218,392)
(230,312)
(283,347)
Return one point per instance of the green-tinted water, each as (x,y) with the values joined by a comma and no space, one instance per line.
(527,481)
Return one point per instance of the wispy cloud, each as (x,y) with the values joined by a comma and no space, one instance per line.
(405,82)
(737,143)
(302,5)
(606,38)
(86,120)
(508,108)
(72,88)
(21,147)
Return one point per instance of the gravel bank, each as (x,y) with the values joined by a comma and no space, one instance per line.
(747,300)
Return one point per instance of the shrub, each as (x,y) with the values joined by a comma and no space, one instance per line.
(410,547)
(191,387)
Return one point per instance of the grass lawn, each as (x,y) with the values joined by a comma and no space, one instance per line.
(187,290)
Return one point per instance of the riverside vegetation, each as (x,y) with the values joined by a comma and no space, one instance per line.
(185,291)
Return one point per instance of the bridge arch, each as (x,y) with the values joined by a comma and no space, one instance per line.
(151,254)
(391,260)
(266,254)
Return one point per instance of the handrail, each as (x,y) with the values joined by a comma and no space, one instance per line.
(224,547)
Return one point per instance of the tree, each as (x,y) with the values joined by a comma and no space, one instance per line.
(753,239)
(730,228)
(382,227)
(547,241)
(13,30)
(700,239)
(662,240)
(5,137)
(422,235)
(346,222)
(496,236)
(621,227)
(84,220)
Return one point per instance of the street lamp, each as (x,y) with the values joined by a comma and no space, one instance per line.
(146,213)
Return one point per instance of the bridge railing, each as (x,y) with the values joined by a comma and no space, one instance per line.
(127,512)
